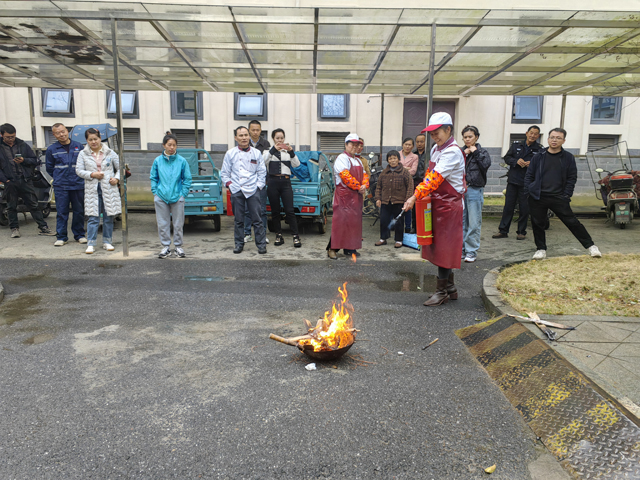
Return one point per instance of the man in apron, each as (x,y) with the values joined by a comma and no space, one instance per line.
(445,182)
(351,186)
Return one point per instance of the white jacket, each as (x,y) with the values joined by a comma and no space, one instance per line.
(85,166)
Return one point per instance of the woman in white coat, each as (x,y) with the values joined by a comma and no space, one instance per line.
(100,168)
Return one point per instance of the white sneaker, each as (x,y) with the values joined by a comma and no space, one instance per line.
(594,252)
(247,238)
(89,249)
(540,255)
(266,240)
(59,243)
(108,247)
(82,240)
(469,259)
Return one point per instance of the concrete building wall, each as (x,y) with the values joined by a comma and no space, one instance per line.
(491,114)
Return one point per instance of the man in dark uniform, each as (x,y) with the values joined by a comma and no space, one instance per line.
(518,158)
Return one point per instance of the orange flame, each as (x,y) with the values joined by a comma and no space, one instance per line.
(335,330)
(353,257)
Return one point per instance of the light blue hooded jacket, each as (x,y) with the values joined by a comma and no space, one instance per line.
(170,178)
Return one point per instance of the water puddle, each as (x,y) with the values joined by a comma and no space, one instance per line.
(38,339)
(209,279)
(17,309)
(42,280)
(407,282)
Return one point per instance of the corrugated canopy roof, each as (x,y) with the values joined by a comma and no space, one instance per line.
(286,49)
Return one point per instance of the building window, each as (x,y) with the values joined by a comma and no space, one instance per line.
(331,142)
(57,102)
(129,104)
(606,110)
(333,107)
(603,144)
(131,138)
(182,105)
(250,106)
(187,138)
(49,138)
(527,109)
(521,138)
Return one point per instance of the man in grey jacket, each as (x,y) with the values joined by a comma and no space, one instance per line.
(243,173)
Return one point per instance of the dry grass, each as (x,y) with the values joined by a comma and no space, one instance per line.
(575,285)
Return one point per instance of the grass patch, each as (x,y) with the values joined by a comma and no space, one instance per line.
(575,285)
(494,200)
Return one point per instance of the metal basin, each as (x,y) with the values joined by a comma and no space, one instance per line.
(324,354)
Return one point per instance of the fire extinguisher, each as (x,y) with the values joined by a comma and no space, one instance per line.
(424,227)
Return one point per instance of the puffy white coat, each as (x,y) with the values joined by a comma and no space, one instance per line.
(85,166)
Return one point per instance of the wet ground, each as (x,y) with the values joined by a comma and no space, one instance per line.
(144,368)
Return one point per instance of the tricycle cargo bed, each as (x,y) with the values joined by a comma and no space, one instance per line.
(205,194)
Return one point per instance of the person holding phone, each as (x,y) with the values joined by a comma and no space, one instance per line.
(100,168)
(279,160)
(17,164)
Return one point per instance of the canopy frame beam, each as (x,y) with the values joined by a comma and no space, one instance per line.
(167,38)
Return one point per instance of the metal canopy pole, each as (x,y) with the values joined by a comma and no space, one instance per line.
(381,124)
(563,109)
(432,60)
(120,138)
(32,114)
(195,113)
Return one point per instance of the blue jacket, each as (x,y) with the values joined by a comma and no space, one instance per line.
(533,178)
(170,178)
(62,166)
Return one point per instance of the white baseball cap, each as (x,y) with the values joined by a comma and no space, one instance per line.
(353,137)
(437,120)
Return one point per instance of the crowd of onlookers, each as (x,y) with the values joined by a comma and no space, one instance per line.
(86,179)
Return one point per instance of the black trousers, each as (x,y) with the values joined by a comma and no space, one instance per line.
(515,193)
(387,213)
(280,188)
(26,190)
(561,206)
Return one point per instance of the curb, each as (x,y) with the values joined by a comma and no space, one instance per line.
(494,304)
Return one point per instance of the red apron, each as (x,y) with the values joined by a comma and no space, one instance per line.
(346,226)
(446,208)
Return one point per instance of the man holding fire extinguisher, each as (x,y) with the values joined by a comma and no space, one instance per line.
(444,182)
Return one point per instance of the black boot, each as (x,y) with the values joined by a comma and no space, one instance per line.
(441,296)
(451,288)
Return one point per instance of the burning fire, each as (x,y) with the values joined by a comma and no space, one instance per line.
(353,257)
(335,330)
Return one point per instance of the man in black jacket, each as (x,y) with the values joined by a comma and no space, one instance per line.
(518,158)
(17,162)
(549,184)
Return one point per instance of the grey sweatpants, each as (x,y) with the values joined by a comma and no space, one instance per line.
(164,213)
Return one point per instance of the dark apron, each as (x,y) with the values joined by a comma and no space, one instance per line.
(446,208)
(346,226)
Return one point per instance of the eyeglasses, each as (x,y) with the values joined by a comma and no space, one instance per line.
(556,138)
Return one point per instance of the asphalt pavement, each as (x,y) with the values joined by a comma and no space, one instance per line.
(142,368)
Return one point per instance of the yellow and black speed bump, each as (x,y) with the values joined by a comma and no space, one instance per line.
(585,432)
